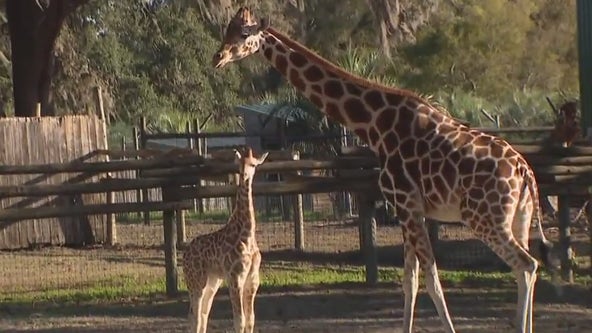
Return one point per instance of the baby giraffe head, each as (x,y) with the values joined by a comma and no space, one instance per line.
(247,164)
(243,37)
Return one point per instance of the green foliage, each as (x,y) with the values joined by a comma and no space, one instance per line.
(367,64)
(153,59)
(155,64)
(495,48)
(528,108)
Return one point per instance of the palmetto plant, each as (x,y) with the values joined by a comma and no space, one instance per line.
(305,123)
(367,64)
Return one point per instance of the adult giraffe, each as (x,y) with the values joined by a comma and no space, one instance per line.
(442,169)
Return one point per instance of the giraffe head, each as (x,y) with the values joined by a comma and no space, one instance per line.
(567,127)
(242,38)
(247,164)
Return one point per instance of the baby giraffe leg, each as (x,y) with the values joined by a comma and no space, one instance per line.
(208,298)
(196,324)
(236,283)
(250,291)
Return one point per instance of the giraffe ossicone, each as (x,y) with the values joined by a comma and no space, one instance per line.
(229,254)
(430,164)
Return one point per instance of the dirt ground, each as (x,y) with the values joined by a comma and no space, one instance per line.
(353,308)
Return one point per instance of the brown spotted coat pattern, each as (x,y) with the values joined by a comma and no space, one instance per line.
(230,253)
(430,164)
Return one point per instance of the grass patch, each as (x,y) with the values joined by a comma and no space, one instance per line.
(114,289)
(274,276)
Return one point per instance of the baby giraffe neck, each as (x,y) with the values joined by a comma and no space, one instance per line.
(244,212)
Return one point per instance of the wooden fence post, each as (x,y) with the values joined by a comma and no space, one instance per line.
(367,221)
(191,146)
(143,140)
(170,246)
(110,217)
(565,238)
(589,217)
(139,193)
(433,231)
(101,105)
(347,197)
(110,196)
(181,229)
(197,142)
(298,214)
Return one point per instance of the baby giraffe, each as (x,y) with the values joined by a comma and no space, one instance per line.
(230,254)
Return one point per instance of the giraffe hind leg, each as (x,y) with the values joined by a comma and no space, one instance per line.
(521,224)
(500,238)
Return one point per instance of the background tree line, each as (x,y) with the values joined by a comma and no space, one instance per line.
(153,57)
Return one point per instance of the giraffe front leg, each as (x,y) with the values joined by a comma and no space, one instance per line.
(195,310)
(196,283)
(410,282)
(207,299)
(250,291)
(236,282)
(417,242)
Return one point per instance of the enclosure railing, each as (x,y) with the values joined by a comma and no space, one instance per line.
(566,172)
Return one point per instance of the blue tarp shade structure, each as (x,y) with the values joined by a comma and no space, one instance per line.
(584,13)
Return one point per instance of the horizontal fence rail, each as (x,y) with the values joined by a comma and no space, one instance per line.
(180,171)
(180,175)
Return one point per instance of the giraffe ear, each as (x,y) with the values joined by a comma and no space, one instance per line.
(261,159)
(264,24)
(237,154)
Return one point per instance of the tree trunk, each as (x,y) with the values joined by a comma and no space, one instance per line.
(399,20)
(34,27)
(387,19)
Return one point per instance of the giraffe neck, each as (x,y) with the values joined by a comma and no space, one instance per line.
(244,212)
(354,102)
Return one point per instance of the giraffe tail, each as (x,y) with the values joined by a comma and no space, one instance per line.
(547,250)
(545,246)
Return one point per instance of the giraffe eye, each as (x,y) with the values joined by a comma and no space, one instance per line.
(244,35)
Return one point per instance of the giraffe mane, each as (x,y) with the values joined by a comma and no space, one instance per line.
(345,74)
(432,102)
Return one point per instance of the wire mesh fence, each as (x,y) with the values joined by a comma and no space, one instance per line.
(331,235)
(137,262)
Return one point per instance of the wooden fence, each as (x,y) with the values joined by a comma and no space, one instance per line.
(565,172)
(33,141)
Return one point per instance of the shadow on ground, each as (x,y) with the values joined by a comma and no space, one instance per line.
(357,306)
(447,252)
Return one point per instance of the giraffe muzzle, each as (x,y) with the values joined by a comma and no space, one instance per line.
(218,61)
